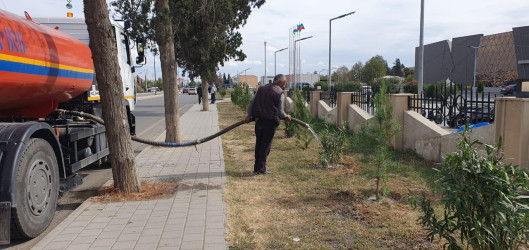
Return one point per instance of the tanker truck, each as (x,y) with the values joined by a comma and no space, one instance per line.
(43,69)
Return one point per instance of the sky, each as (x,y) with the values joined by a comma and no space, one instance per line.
(379,27)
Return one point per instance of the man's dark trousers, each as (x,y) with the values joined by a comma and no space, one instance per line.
(264,133)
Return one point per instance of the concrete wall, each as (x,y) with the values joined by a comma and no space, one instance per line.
(512,124)
(436,149)
(358,117)
(417,127)
(343,101)
(326,113)
(314,100)
(289,105)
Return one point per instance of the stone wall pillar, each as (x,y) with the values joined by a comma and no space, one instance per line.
(315,97)
(512,124)
(343,100)
(400,105)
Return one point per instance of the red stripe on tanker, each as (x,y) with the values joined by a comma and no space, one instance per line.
(39,67)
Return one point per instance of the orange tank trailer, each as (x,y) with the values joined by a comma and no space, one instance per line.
(40,67)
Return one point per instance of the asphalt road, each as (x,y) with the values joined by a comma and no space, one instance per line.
(150,123)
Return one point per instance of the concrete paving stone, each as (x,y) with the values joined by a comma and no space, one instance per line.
(89,239)
(211,207)
(113,228)
(152,231)
(124,215)
(194,230)
(140,217)
(154,225)
(136,223)
(166,206)
(107,214)
(100,242)
(215,240)
(199,211)
(142,211)
(145,246)
(58,245)
(215,232)
(132,230)
(169,243)
(191,245)
(148,207)
(99,219)
(215,246)
(90,232)
(129,237)
(214,213)
(192,237)
(78,247)
(89,212)
(124,245)
(114,204)
(65,236)
(98,248)
(109,235)
(176,235)
(111,208)
(213,225)
(174,227)
(78,224)
(195,223)
(118,221)
(96,206)
(158,219)
(96,225)
(148,239)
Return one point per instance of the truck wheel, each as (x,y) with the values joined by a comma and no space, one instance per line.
(36,191)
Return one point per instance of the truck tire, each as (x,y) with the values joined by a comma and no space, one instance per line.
(37,190)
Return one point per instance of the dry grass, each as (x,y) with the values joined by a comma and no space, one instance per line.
(149,191)
(324,208)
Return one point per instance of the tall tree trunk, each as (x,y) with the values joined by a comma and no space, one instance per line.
(205,95)
(164,38)
(105,56)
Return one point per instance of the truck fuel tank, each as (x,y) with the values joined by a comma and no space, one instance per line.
(40,67)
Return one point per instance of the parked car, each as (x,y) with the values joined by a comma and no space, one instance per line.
(192,91)
(153,89)
(509,90)
(185,90)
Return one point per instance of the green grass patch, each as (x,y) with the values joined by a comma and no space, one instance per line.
(326,208)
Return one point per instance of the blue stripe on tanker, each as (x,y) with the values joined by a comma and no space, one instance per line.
(24,68)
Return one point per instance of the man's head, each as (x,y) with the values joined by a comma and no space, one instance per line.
(280,80)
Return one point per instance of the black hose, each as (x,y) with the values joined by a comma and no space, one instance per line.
(165,144)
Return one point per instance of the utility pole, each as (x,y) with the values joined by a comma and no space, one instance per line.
(330,22)
(265,78)
(421,51)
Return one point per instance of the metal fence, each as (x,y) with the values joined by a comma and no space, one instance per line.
(329,97)
(453,106)
(365,99)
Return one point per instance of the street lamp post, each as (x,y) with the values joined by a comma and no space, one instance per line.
(275,60)
(330,21)
(476,48)
(299,66)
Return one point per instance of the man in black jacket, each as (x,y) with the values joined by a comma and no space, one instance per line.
(266,108)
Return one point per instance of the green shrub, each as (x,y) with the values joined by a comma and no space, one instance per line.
(348,87)
(411,87)
(241,96)
(391,84)
(324,85)
(375,139)
(481,87)
(333,141)
(222,92)
(486,202)
(302,113)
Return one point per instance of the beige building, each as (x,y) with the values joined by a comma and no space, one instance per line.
(251,80)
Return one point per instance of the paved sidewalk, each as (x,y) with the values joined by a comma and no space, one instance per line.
(192,219)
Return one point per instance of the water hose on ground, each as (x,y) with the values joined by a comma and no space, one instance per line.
(161,143)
